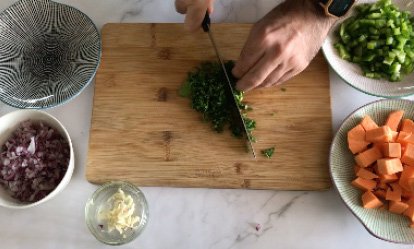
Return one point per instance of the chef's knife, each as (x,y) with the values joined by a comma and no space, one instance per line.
(234,108)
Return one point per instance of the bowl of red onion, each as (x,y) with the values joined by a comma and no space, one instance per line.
(36,158)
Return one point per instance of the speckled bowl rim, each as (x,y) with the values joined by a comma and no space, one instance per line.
(331,172)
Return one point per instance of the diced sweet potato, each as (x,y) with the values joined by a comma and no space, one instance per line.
(389,166)
(391,150)
(394,135)
(357,146)
(384,167)
(356,139)
(369,200)
(411,184)
(397,207)
(394,119)
(410,201)
(406,194)
(408,155)
(364,184)
(380,193)
(409,212)
(407,173)
(405,138)
(394,192)
(387,178)
(366,174)
(407,125)
(368,124)
(380,134)
(368,157)
(382,185)
(357,133)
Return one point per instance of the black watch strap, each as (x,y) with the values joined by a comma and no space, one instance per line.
(337,8)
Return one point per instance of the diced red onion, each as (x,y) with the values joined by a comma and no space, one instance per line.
(33,161)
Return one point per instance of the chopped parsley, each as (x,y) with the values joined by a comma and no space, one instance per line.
(205,87)
(268,152)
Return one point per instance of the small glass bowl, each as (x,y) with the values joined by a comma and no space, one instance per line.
(99,199)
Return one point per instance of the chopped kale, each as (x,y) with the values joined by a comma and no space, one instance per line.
(205,87)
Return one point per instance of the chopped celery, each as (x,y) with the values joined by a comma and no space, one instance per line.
(379,38)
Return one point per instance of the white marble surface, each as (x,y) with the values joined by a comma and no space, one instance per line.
(190,218)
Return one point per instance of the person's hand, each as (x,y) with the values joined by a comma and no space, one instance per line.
(194,11)
(281,44)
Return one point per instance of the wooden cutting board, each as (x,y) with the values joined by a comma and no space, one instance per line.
(143,132)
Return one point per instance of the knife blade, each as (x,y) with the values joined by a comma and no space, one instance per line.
(234,108)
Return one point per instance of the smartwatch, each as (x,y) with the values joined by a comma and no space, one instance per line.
(336,8)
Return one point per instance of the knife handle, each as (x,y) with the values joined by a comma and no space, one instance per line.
(206,22)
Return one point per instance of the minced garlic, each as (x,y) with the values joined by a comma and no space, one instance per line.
(120,214)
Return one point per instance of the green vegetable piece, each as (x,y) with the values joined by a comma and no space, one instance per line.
(389,40)
(372,45)
(380,39)
(343,53)
(374,15)
(208,96)
(268,152)
(395,68)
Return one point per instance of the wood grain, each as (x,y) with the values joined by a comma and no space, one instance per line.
(143,132)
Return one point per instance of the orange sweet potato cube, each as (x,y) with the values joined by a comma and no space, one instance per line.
(407,173)
(394,119)
(410,201)
(368,157)
(406,194)
(405,138)
(380,193)
(391,150)
(397,207)
(410,182)
(408,155)
(394,135)
(407,125)
(356,139)
(380,134)
(368,124)
(364,184)
(369,200)
(394,192)
(389,166)
(366,174)
(387,178)
(409,212)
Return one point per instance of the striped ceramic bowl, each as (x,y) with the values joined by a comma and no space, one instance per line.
(49,52)
(380,223)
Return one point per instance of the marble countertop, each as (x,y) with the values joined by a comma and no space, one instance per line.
(190,218)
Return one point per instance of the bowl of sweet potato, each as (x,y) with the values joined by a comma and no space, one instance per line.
(372,168)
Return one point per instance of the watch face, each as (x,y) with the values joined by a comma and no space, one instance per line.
(340,7)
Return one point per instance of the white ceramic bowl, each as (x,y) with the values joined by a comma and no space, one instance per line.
(380,223)
(351,73)
(8,124)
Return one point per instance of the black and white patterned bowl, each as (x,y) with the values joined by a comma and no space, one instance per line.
(49,52)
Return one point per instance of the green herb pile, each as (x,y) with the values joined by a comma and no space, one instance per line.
(268,152)
(205,88)
(380,39)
